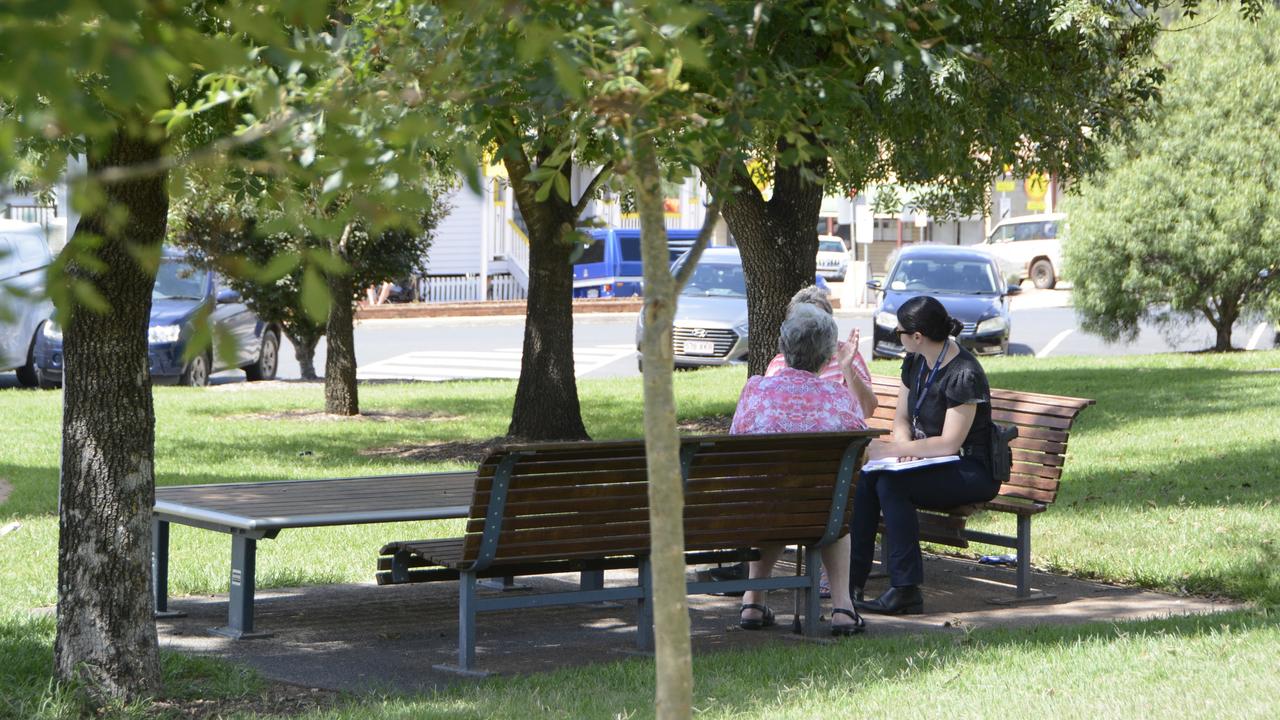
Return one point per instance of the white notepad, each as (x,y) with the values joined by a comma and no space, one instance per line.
(892,465)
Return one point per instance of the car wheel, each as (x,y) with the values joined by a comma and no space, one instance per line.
(268,359)
(197,372)
(29,374)
(1042,275)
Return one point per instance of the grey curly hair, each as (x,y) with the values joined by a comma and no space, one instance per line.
(808,337)
(811,295)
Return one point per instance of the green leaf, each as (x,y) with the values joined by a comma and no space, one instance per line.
(315,296)
(562,186)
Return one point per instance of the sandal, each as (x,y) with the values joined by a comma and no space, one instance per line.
(824,586)
(857,626)
(765,620)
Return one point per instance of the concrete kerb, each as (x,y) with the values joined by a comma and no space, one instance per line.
(362,637)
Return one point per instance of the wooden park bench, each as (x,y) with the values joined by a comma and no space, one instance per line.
(1039,453)
(584,507)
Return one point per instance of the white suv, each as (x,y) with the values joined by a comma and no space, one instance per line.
(833,258)
(1028,247)
(24,255)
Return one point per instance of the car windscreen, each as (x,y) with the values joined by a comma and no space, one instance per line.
(716,280)
(961,277)
(178,279)
(830,246)
(1047,230)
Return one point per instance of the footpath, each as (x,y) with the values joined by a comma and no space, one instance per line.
(360,637)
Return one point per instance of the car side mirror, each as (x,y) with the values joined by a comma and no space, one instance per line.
(1013,290)
(227,296)
(875,285)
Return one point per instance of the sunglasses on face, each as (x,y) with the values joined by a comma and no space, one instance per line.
(900,332)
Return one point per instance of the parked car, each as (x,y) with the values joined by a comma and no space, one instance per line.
(611,265)
(833,258)
(182,292)
(24,256)
(1028,247)
(968,283)
(710,326)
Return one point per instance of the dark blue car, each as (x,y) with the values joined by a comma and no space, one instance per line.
(611,265)
(967,282)
(182,291)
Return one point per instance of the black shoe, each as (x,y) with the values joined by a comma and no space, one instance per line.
(854,628)
(765,620)
(905,600)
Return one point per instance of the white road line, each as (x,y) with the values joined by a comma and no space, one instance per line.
(1256,337)
(497,363)
(1054,343)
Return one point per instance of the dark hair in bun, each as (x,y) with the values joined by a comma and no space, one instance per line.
(926,315)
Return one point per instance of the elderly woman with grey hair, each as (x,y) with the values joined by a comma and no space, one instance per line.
(796,399)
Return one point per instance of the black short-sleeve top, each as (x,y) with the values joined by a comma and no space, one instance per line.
(958,382)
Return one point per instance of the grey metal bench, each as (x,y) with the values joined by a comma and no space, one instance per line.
(554,507)
(249,512)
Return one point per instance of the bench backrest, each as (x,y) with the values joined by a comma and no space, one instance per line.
(579,500)
(1040,449)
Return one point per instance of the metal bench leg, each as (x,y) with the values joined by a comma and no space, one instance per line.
(644,619)
(812,601)
(468,606)
(160,569)
(1024,556)
(244,552)
(591,580)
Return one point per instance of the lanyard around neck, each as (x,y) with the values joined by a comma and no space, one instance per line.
(933,371)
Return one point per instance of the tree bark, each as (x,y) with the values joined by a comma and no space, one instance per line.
(340,394)
(106,633)
(546,404)
(674,692)
(778,240)
(304,350)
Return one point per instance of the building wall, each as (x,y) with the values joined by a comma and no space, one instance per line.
(456,249)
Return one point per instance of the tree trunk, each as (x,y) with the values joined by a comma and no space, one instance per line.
(546,405)
(340,394)
(106,635)
(778,240)
(304,350)
(674,692)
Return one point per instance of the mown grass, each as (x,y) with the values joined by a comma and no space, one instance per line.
(1173,483)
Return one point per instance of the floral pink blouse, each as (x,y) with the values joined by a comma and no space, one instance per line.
(794,401)
(831,371)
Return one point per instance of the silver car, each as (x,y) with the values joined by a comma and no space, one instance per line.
(24,255)
(711,318)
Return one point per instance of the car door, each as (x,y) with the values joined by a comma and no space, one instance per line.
(10,312)
(232,318)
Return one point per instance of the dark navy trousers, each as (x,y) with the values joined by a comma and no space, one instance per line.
(897,495)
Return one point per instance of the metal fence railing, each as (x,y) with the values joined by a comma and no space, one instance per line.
(41,214)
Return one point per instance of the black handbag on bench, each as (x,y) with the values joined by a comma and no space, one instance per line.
(1001,454)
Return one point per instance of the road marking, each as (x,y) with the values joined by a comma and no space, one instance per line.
(470,365)
(1054,343)
(1256,337)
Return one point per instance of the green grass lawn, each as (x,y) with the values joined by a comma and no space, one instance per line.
(1172,483)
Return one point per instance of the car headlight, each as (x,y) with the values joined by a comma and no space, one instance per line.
(51,330)
(995,324)
(741,328)
(163,333)
(887,319)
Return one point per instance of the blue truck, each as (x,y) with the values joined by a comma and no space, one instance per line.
(611,267)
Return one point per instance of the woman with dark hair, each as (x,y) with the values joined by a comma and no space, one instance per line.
(943,409)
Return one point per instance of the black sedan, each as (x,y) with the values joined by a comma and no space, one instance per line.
(967,282)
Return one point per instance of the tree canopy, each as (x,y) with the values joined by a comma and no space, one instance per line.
(1187,217)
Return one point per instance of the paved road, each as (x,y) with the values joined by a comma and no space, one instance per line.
(1044,325)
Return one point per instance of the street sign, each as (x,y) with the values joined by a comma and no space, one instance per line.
(1036,185)
(1004,183)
